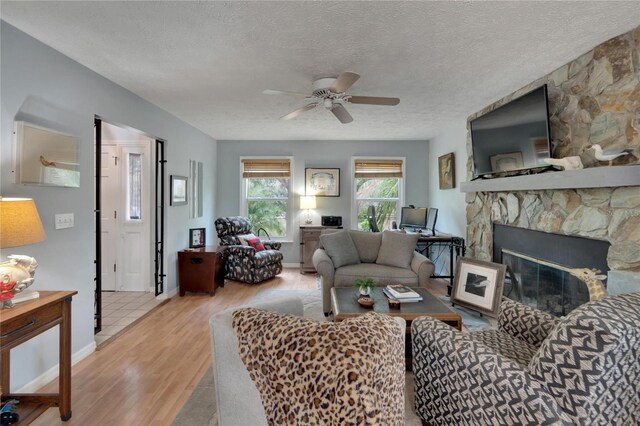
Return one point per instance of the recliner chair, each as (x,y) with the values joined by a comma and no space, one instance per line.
(244,263)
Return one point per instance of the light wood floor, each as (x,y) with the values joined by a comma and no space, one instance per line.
(146,375)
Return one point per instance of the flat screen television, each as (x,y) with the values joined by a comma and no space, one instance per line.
(415,218)
(512,137)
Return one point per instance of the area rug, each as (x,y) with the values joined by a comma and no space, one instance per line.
(200,409)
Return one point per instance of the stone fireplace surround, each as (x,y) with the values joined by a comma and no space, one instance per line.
(593,99)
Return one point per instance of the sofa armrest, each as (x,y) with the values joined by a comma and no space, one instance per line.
(237,399)
(462,381)
(324,265)
(238,250)
(272,245)
(524,322)
(423,267)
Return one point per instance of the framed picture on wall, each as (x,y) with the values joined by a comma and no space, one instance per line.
(447,171)
(178,191)
(478,285)
(322,182)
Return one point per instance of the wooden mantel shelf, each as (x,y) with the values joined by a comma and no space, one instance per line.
(596,177)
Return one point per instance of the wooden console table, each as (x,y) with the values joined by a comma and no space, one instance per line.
(24,321)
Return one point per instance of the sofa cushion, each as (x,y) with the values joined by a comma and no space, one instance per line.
(244,238)
(367,244)
(267,257)
(381,274)
(340,248)
(309,372)
(255,243)
(397,249)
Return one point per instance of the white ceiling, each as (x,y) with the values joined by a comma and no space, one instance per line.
(208,62)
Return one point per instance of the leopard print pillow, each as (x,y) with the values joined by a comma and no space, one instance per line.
(312,373)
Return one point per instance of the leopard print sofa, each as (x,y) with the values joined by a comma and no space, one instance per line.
(312,373)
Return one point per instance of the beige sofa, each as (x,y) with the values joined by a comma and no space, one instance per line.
(387,257)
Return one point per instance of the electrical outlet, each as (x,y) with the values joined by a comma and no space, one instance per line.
(64,220)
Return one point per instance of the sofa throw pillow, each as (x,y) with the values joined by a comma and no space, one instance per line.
(244,238)
(397,249)
(367,244)
(324,373)
(340,248)
(255,243)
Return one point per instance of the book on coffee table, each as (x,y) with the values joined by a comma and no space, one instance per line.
(400,291)
(387,293)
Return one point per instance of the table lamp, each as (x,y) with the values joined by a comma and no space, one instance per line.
(20,225)
(307,202)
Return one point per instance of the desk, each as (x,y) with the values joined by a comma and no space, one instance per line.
(455,244)
(24,321)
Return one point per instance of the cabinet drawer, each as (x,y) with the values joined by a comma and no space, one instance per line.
(26,324)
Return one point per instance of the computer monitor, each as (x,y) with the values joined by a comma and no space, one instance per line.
(413,218)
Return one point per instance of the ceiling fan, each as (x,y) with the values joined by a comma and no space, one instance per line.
(331,94)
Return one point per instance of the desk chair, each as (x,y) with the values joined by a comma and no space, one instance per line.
(371,216)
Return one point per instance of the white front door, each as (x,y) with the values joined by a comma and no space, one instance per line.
(126,217)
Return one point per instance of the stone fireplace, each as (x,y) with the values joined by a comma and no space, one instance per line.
(593,99)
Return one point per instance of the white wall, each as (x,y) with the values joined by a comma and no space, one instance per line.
(41,85)
(330,154)
(449,202)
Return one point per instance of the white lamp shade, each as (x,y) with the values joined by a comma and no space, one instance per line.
(20,223)
(307,202)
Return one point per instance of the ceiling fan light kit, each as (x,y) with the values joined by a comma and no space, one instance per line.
(331,94)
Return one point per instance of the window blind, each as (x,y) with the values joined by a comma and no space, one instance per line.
(266,168)
(378,168)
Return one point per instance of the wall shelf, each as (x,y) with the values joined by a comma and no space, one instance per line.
(596,177)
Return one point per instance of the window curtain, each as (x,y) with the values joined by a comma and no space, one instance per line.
(265,168)
(378,168)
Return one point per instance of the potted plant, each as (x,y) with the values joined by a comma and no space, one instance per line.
(364,285)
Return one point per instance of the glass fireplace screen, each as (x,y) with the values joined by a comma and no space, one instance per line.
(544,285)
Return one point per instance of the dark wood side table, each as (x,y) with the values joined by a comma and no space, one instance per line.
(201,269)
(24,321)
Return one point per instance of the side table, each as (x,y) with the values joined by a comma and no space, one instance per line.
(201,269)
(24,321)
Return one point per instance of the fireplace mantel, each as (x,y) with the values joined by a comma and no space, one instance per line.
(596,177)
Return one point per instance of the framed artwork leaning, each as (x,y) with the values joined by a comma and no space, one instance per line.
(322,182)
(478,285)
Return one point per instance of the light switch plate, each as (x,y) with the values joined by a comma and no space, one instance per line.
(64,220)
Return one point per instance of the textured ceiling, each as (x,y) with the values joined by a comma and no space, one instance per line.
(208,62)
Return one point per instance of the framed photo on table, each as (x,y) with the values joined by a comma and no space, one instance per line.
(197,237)
(478,285)
(322,182)
(178,190)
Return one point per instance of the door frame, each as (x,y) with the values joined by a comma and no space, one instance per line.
(159,203)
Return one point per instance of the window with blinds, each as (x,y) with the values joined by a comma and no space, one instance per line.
(378,183)
(266,188)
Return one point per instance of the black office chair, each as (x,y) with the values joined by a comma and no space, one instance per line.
(371,216)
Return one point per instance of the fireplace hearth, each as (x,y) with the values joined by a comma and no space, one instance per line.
(538,264)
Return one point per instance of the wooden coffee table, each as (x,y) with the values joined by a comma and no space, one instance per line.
(344,303)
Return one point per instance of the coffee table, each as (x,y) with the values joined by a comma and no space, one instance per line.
(344,304)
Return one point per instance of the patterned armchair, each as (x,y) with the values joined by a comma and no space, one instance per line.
(244,263)
(535,369)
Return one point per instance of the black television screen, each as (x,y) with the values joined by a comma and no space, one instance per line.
(413,217)
(514,136)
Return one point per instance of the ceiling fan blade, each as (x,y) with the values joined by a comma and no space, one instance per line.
(341,114)
(299,111)
(344,81)
(373,100)
(283,92)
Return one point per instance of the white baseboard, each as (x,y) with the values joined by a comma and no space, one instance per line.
(52,373)
(168,294)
